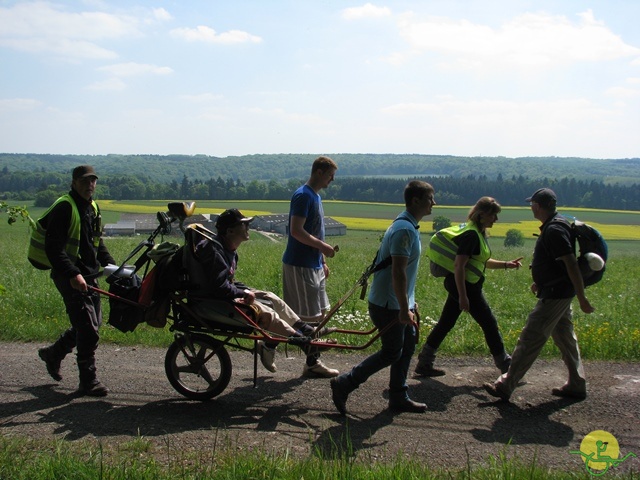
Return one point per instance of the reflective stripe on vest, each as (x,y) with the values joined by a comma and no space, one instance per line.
(37,254)
(442,250)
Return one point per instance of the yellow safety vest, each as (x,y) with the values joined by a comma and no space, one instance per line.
(37,254)
(442,251)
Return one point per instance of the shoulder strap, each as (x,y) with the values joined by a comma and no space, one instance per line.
(565,223)
(381,265)
(384,263)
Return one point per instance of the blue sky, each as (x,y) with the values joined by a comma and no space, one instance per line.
(472,78)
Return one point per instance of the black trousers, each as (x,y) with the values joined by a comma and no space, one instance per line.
(478,309)
(85,316)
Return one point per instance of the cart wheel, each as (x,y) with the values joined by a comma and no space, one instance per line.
(198,366)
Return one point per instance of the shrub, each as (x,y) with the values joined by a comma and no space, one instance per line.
(441,222)
(45,198)
(514,238)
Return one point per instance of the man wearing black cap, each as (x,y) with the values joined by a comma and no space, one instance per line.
(216,261)
(74,250)
(556,280)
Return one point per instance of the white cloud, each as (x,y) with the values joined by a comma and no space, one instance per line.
(111,84)
(564,127)
(61,47)
(18,104)
(400,58)
(131,69)
(282,115)
(366,11)
(41,27)
(623,93)
(43,19)
(209,35)
(509,119)
(162,15)
(531,40)
(202,98)
(487,111)
(522,70)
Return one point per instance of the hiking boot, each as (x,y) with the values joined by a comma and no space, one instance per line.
(339,395)
(503,362)
(93,389)
(504,366)
(427,370)
(408,405)
(52,362)
(565,392)
(426,359)
(267,356)
(495,391)
(319,370)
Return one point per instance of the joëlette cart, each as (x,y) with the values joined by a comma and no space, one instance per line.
(197,363)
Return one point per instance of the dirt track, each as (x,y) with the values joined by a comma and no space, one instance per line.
(287,411)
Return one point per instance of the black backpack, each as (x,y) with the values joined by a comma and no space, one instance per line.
(179,271)
(589,241)
(172,273)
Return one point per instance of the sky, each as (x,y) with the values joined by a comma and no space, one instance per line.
(507,78)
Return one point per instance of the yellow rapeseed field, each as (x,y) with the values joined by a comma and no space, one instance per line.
(528,228)
(610,232)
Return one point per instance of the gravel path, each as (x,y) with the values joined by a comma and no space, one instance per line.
(287,411)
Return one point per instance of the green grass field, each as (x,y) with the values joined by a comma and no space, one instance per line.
(32,310)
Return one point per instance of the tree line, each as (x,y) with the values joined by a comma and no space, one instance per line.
(45,187)
(163,169)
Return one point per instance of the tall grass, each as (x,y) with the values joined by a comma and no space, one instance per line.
(33,459)
(31,308)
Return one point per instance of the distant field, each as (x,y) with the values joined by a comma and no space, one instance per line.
(628,181)
(613,224)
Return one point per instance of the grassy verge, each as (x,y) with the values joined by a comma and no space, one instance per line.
(23,459)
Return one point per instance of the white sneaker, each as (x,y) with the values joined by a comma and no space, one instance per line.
(319,370)
(267,356)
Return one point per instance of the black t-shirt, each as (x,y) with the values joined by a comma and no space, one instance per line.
(468,243)
(549,273)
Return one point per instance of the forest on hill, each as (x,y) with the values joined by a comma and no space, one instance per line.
(579,182)
(168,168)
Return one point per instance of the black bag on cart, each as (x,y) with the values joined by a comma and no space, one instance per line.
(122,315)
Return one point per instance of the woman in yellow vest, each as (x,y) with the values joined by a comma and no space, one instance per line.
(464,253)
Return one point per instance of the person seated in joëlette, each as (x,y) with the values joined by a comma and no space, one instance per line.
(212,267)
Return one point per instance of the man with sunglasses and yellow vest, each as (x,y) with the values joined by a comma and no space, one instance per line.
(68,240)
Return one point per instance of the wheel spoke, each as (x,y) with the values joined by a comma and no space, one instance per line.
(204,373)
(198,366)
(185,369)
